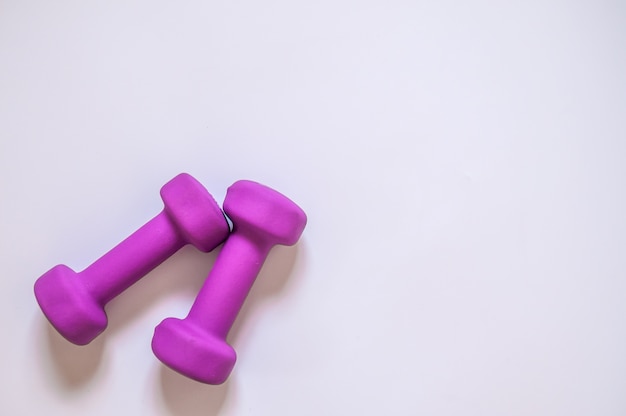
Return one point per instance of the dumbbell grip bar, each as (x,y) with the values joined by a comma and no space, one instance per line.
(131,259)
(219,301)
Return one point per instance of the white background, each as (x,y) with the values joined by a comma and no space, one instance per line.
(462,165)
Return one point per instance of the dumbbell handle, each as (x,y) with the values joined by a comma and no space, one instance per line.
(131,259)
(229,282)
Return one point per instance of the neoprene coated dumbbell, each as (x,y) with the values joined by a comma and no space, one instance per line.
(74,302)
(196,346)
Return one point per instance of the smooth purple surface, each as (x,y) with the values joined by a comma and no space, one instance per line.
(196,346)
(74,302)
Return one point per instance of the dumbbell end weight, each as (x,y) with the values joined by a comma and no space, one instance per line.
(264,212)
(192,351)
(67,305)
(196,215)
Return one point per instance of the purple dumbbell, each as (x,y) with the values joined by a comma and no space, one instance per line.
(196,346)
(74,302)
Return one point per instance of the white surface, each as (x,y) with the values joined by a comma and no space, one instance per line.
(462,165)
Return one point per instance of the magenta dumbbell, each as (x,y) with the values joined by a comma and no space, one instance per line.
(196,346)
(74,302)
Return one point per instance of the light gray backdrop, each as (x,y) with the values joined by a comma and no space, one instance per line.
(461,163)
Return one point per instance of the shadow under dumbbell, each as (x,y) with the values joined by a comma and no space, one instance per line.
(186,397)
(75,364)
(183,272)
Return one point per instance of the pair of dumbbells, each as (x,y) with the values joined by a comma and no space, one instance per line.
(195,346)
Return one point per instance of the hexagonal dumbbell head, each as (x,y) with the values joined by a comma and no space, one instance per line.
(74,302)
(196,346)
